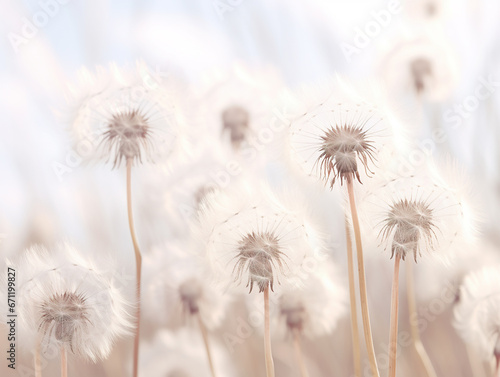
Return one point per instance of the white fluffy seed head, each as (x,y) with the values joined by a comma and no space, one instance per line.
(477,317)
(129,113)
(253,239)
(315,309)
(176,286)
(426,212)
(337,131)
(422,66)
(65,301)
(236,104)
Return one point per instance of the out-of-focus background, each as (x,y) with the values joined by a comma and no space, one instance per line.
(45,42)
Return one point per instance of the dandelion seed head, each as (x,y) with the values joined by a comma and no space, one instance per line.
(409,221)
(128,113)
(259,252)
(340,149)
(253,238)
(64,315)
(66,301)
(340,131)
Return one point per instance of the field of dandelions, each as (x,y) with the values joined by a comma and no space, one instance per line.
(250,188)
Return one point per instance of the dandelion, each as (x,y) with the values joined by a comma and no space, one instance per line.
(423,66)
(256,241)
(338,137)
(421,213)
(313,310)
(175,284)
(128,115)
(236,104)
(476,315)
(66,303)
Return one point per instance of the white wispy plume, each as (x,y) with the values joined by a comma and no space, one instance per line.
(182,354)
(427,212)
(235,104)
(476,315)
(122,113)
(64,300)
(254,239)
(314,309)
(423,66)
(175,285)
(339,130)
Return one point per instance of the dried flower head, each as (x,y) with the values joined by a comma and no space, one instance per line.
(422,212)
(423,66)
(127,114)
(476,315)
(253,238)
(334,131)
(236,104)
(65,301)
(315,309)
(175,286)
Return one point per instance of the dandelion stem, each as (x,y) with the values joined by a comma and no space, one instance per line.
(362,281)
(393,334)
(64,363)
(38,361)
(356,349)
(299,354)
(138,264)
(412,312)
(204,334)
(267,336)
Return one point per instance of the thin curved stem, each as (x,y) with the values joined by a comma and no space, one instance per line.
(412,312)
(393,334)
(476,364)
(362,281)
(267,336)
(356,349)
(299,355)
(64,363)
(138,265)
(204,334)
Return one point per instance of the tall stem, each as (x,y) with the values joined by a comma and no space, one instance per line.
(267,336)
(299,354)
(362,281)
(393,334)
(138,264)
(204,334)
(356,349)
(64,363)
(38,361)
(412,312)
